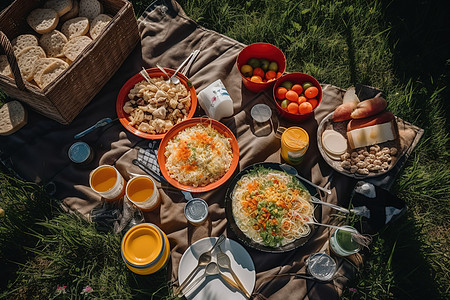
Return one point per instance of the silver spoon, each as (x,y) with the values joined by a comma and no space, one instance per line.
(293,171)
(164,71)
(203,260)
(211,269)
(223,260)
(174,78)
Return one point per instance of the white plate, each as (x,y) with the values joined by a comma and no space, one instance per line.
(213,287)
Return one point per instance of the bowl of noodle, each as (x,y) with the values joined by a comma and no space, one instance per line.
(267,208)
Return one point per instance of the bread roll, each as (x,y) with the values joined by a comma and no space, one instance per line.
(90,9)
(26,59)
(369,108)
(5,69)
(98,24)
(23,41)
(53,43)
(60,6)
(75,46)
(75,27)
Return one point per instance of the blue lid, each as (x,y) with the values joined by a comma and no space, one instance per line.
(79,152)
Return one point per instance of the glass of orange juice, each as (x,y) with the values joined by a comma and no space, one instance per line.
(142,192)
(106,181)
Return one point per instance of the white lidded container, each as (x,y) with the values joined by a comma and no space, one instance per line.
(215,101)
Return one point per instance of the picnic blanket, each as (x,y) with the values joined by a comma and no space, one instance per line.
(38,152)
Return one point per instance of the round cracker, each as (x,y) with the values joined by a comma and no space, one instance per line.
(40,65)
(51,72)
(23,41)
(53,43)
(60,6)
(98,24)
(5,69)
(43,20)
(90,9)
(75,27)
(75,46)
(26,59)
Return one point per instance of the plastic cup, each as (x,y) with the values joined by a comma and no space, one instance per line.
(321,266)
(342,242)
(106,181)
(142,192)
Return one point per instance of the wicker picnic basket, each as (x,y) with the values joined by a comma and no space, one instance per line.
(64,98)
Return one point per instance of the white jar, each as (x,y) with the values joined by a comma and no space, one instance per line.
(216,101)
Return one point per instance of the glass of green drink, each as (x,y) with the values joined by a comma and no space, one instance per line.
(342,242)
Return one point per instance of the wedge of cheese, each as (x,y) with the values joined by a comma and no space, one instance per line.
(371,135)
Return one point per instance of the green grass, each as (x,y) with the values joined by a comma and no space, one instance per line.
(398,46)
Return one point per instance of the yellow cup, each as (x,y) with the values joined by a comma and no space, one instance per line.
(142,192)
(106,181)
(145,249)
(294,143)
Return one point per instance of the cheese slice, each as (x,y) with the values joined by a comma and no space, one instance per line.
(371,135)
(334,144)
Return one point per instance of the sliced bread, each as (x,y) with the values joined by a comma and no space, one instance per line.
(75,27)
(75,46)
(53,43)
(26,59)
(43,20)
(51,72)
(60,6)
(23,41)
(5,69)
(13,116)
(90,9)
(73,13)
(98,24)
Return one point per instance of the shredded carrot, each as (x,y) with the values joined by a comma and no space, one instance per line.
(183,152)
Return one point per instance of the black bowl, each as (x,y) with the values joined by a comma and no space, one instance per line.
(248,241)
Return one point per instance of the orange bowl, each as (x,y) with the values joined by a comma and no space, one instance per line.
(189,123)
(122,97)
(299,78)
(260,51)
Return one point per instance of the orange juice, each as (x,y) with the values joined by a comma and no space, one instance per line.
(140,189)
(142,192)
(107,182)
(103,179)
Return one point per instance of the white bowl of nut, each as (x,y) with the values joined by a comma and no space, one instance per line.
(150,109)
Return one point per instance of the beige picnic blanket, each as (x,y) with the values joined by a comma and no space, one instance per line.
(38,152)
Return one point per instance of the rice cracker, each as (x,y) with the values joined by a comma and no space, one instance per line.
(26,59)
(75,46)
(23,41)
(75,27)
(90,9)
(51,72)
(43,20)
(60,6)
(53,43)
(40,65)
(98,24)
(13,116)
(5,69)
(73,13)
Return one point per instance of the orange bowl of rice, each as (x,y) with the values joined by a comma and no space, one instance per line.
(198,155)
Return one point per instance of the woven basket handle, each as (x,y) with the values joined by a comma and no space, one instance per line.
(7,47)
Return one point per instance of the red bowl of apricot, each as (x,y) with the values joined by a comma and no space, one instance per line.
(296,96)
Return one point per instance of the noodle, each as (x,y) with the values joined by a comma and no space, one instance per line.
(271,207)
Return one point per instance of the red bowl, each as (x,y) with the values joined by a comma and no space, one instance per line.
(296,78)
(260,50)
(122,97)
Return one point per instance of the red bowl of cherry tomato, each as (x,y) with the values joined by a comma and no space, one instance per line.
(296,96)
